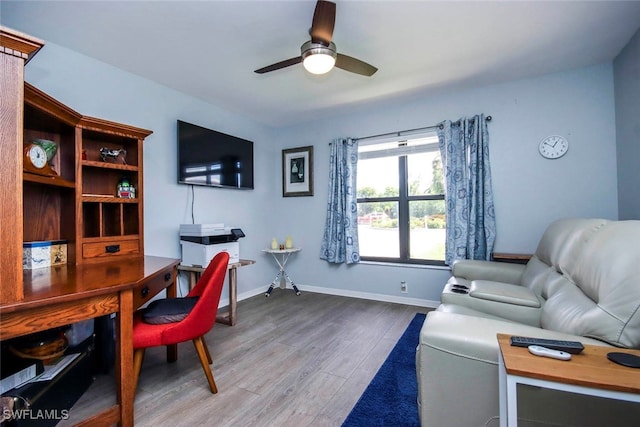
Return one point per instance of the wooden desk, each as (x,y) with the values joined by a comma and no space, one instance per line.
(66,294)
(229,316)
(589,372)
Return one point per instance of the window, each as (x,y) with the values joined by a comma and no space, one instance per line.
(401,207)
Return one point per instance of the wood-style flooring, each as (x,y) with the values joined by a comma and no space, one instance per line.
(289,361)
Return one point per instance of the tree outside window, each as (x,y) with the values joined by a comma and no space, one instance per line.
(401,207)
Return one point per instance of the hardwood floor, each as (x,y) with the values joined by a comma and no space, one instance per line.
(289,361)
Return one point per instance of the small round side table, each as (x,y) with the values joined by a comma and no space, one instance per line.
(281,256)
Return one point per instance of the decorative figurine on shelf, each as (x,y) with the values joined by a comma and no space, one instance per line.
(288,243)
(125,189)
(113,153)
(274,244)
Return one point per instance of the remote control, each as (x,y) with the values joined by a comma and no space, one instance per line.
(547,352)
(573,347)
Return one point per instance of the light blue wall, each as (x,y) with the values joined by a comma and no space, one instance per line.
(530,191)
(626,68)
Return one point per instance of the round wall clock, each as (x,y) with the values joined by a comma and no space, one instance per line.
(553,147)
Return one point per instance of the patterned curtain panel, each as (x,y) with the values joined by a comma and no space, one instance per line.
(471,223)
(340,240)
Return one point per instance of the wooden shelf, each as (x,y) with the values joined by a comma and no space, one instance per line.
(107,165)
(107,199)
(48,180)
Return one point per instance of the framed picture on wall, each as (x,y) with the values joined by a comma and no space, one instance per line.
(297,172)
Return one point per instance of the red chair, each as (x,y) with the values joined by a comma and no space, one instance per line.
(198,322)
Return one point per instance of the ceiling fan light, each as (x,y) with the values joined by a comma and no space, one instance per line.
(319,63)
(318,58)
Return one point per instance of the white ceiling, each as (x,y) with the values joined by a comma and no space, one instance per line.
(209,49)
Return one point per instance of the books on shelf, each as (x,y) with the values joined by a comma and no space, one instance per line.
(50,371)
(15,372)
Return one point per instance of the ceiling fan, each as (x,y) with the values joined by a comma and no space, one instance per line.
(319,55)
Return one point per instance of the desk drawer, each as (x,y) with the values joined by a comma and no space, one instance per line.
(110,248)
(152,287)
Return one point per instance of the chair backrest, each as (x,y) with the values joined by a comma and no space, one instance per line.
(558,247)
(589,275)
(203,315)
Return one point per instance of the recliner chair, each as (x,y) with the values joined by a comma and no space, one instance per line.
(582,284)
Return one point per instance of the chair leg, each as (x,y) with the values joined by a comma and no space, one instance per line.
(206,348)
(138,357)
(202,355)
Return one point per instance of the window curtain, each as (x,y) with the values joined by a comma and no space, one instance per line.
(471,224)
(340,240)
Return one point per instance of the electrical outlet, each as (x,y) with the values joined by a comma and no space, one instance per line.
(403,287)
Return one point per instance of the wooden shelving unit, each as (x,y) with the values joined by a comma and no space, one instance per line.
(15,50)
(110,226)
(79,204)
(106,271)
(50,209)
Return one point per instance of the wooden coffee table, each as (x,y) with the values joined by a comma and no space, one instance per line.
(589,372)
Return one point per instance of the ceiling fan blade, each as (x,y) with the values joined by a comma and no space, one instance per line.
(279,65)
(324,19)
(354,65)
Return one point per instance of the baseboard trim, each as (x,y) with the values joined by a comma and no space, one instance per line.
(371,296)
(339,292)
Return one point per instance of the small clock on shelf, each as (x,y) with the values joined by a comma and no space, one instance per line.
(553,147)
(35,161)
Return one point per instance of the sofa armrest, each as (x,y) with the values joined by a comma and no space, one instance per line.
(504,292)
(488,270)
(457,372)
(476,337)
(497,299)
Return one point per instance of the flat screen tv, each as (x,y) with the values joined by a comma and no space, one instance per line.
(208,157)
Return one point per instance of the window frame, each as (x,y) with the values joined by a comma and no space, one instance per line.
(403,200)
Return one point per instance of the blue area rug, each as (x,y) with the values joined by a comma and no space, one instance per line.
(390,400)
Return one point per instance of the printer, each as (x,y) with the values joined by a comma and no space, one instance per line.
(201,242)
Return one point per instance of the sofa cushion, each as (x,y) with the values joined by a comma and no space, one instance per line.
(535,274)
(168,310)
(557,249)
(468,311)
(563,240)
(599,293)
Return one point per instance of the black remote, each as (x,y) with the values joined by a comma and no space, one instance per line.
(573,347)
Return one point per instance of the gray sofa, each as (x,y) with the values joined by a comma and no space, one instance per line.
(582,283)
